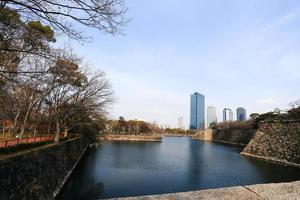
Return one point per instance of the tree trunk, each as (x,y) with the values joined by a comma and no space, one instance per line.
(24,124)
(49,127)
(57,133)
(66,132)
(3,127)
(28,111)
(14,128)
(34,132)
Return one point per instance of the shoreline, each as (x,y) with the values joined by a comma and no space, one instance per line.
(177,135)
(223,142)
(131,138)
(271,160)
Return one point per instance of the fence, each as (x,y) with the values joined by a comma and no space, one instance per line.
(13,142)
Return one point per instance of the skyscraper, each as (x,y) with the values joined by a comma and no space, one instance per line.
(211,115)
(180,123)
(197,112)
(241,114)
(227,115)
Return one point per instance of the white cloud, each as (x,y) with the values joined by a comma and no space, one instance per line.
(279,22)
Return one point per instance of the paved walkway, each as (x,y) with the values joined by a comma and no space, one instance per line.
(273,191)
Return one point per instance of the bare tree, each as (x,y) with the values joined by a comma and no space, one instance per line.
(27,27)
(63,16)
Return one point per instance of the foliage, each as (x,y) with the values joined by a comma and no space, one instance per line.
(47,90)
(294,113)
(136,127)
(176,131)
(27,28)
(234,125)
(253,116)
(44,88)
(213,125)
(190,132)
(277,115)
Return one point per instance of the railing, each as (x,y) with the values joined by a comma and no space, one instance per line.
(14,142)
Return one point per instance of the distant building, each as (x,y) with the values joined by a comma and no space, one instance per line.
(241,114)
(211,115)
(197,112)
(180,123)
(227,115)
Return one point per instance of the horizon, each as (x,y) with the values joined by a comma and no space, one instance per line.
(237,54)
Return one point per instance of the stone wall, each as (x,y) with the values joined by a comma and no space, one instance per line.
(228,135)
(39,173)
(277,141)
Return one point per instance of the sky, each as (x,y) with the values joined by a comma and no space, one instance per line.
(236,53)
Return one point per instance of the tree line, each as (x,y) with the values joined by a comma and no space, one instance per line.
(44,89)
(292,114)
(132,127)
(278,115)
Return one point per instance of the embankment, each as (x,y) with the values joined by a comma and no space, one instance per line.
(133,138)
(274,141)
(277,141)
(39,173)
(228,135)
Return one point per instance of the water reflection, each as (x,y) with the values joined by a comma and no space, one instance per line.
(118,169)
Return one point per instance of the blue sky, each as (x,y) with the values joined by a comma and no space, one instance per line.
(236,53)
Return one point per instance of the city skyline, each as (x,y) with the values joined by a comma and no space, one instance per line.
(259,39)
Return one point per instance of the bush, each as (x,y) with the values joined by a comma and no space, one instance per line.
(269,116)
(294,113)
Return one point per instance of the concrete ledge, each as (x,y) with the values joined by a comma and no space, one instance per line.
(272,191)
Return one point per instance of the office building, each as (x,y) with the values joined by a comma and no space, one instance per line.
(197,112)
(241,114)
(211,115)
(227,115)
(180,123)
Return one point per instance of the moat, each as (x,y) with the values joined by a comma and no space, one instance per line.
(178,164)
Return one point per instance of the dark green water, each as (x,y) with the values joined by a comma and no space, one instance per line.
(118,169)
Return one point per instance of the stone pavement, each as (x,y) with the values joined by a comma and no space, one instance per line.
(272,191)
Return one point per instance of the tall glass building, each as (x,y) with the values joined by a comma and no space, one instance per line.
(227,115)
(241,114)
(197,113)
(211,115)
